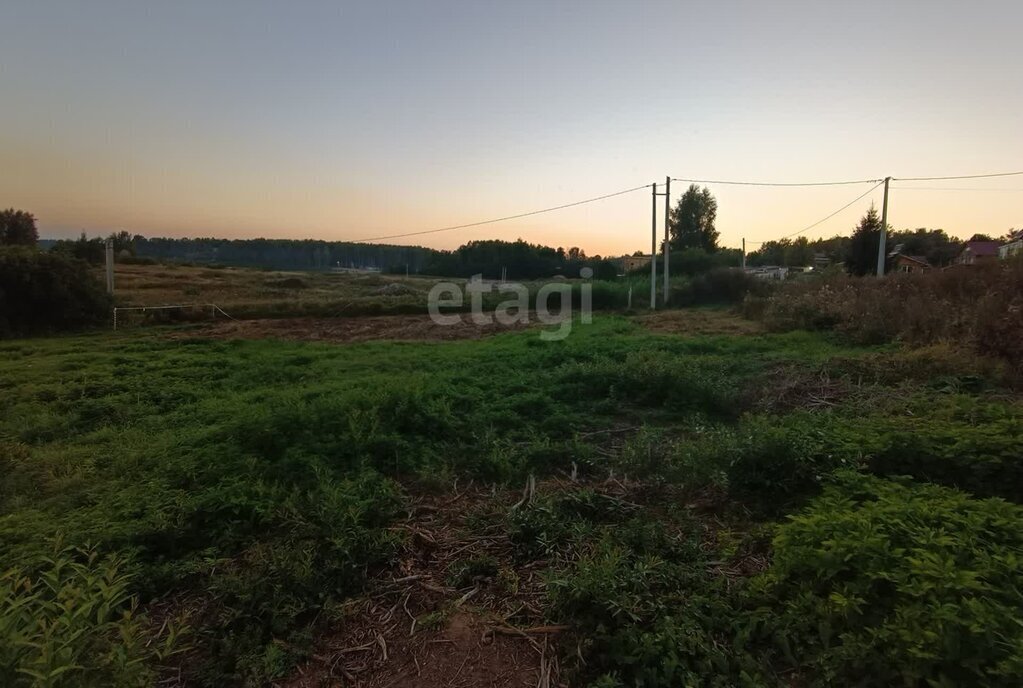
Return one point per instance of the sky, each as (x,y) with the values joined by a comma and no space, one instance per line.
(348,120)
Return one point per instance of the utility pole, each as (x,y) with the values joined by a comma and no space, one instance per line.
(744,253)
(667,250)
(884,230)
(653,249)
(110,265)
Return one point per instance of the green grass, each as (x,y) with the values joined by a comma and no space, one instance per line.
(256,480)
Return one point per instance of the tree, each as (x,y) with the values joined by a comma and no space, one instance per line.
(17,228)
(933,244)
(605,270)
(799,253)
(692,220)
(123,241)
(41,292)
(862,257)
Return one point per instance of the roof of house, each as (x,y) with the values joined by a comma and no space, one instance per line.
(982,248)
(916,259)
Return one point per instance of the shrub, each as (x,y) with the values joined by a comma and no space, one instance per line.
(980,306)
(682,384)
(981,458)
(648,612)
(74,624)
(884,583)
(719,286)
(47,291)
(773,464)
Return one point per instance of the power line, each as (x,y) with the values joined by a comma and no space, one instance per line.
(949,188)
(824,219)
(967,176)
(504,219)
(739,183)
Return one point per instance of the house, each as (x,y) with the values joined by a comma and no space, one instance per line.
(1013,247)
(768,272)
(899,261)
(630,263)
(904,263)
(977,252)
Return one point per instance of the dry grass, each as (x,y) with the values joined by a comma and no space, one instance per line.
(410,327)
(150,285)
(247,292)
(699,321)
(977,307)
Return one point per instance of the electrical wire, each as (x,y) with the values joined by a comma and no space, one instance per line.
(503,219)
(877,182)
(824,219)
(949,188)
(735,183)
(967,176)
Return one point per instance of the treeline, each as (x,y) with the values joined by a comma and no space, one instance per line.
(519,259)
(934,245)
(285,254)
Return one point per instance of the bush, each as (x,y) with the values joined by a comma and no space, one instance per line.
(648,613)
(719,286)
(980,306)
(47,291)
(682,385)
(981,458)
(885,583)
(74,624)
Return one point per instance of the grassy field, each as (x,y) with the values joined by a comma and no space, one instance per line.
(246,292)
(650,502)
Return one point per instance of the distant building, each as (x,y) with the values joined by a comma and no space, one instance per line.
(769,272)
(904,263)
(630,263)
(899,261)
(977,252)
(1013,247)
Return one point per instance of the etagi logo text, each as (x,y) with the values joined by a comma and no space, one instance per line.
(515,309)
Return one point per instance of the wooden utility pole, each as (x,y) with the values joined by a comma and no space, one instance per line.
(110,265)
(667,239)
(884,230)
(744,253)
(653,249)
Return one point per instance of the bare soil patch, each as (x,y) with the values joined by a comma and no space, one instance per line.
(699,321)
(346,330)
(457,610)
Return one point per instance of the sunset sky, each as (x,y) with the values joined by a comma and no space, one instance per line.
(343,120)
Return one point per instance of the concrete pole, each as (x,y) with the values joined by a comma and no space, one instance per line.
(884,230)
(667,239)
(653,249)
(110,266)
